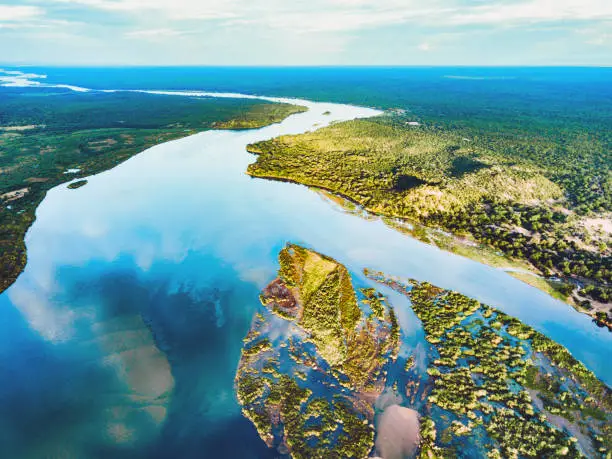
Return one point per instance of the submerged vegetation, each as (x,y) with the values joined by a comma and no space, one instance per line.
(310,392)
(502,388)
(532,199)
(50,136)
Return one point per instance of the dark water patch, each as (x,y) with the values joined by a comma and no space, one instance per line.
(228,439)
(156,352)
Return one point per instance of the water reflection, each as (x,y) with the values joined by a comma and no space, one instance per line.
(103,385)
(123,334)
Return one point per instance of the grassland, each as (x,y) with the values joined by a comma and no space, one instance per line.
(525,197)
(44,134)
(499,380)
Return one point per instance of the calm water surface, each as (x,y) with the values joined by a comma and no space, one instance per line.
(122,336)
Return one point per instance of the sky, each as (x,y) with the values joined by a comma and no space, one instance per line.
(306,32)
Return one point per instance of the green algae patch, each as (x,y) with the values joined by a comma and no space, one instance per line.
(316,358)
(500,388)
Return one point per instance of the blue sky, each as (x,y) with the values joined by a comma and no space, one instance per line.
(311,32)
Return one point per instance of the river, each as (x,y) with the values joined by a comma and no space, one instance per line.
(122,336)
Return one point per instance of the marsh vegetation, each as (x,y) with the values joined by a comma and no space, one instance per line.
(501,382)
(311,392)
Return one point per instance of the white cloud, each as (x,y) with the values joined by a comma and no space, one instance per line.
(33,21)
(600,40)
(328,22)
(154,33)
(535,11)
(338,15)
(424,46)
(598,35)
(40,24)
(14,13)
(52,323)
(176,9)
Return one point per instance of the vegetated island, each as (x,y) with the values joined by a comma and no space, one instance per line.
(316,359)
(321,374)
(260,116)
(77,184)
(498,388)
(50,136)
(541,207)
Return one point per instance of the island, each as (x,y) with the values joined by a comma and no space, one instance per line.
(321,374)
(260,115)
(498,388)
(539,208)
(316,358)
(77,184)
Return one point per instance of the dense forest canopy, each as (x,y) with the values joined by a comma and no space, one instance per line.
(528,176)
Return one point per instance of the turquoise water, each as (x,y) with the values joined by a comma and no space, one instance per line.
(122,336)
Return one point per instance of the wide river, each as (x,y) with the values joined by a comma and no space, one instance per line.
(122,336)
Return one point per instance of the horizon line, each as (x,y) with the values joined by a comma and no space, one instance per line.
(246,66)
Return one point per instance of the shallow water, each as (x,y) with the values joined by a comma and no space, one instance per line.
(122,336)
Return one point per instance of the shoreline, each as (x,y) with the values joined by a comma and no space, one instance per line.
(466,248)
(177,179)
(310,105)
(16,253)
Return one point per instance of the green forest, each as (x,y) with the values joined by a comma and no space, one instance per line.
(542,198)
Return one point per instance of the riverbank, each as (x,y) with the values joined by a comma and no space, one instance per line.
(463,246)
(461,195)
(520,269)
(260,116)
(54,138)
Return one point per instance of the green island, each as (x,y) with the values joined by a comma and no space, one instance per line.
(323,351)
(51,136)
(260,116)
(77,184)
(310,390)
(539,205)
(500,388)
